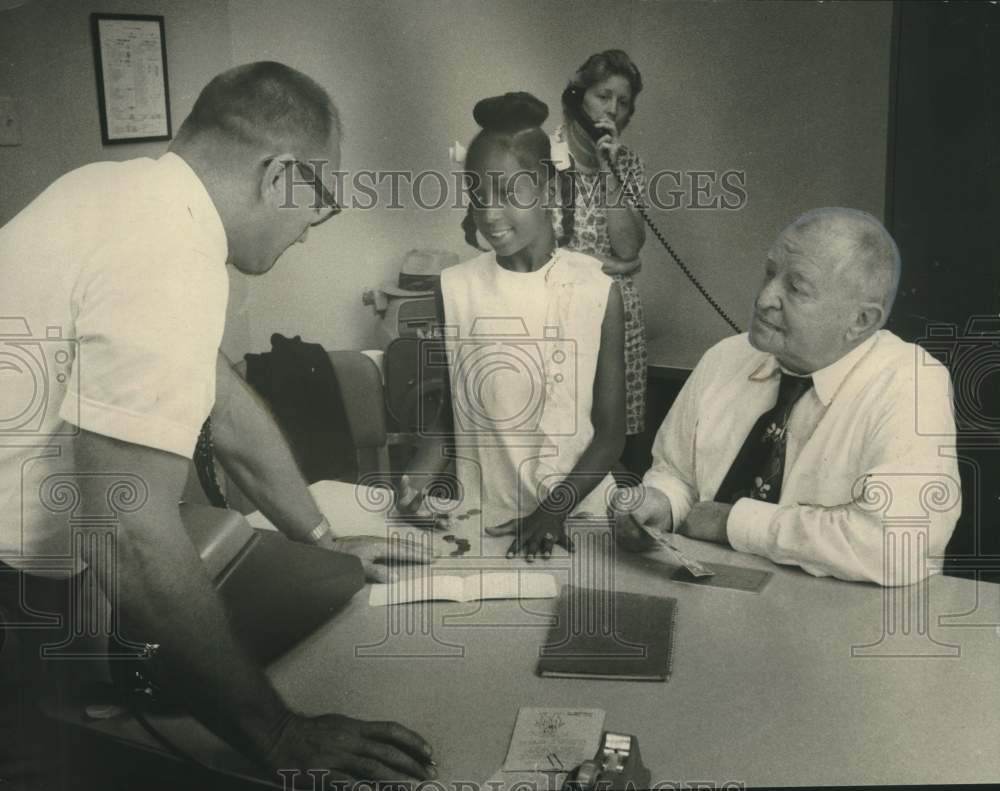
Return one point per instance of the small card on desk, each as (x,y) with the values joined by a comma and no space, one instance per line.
(497,585)
(733,577)
(609,635)
(553,740)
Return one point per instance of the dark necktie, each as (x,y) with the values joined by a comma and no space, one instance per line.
(760,465)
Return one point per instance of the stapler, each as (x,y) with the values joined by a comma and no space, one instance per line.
(616,766)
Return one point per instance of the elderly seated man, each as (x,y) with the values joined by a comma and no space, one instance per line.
(799,441)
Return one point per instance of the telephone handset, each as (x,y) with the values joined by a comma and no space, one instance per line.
(572,100)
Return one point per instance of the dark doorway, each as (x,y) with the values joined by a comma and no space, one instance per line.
(943,207)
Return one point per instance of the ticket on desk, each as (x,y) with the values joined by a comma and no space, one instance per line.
(666,542)
(550,739)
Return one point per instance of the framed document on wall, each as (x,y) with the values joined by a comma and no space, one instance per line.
(130,58)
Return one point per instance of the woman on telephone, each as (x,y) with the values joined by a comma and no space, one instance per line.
(598,104)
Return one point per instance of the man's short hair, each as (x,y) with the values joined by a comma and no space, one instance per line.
(862,242)
(264,103)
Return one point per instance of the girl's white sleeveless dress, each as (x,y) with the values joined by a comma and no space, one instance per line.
(522,350)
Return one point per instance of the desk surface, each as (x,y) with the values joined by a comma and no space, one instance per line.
(810,682)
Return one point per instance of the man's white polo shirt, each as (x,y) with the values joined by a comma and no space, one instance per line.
(113,291)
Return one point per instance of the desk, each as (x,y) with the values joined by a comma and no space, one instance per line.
(776,688)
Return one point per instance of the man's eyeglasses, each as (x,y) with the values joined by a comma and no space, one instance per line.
(326,202)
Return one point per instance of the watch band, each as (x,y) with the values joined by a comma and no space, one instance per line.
(321,530)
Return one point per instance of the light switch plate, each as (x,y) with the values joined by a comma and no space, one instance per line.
(10,122)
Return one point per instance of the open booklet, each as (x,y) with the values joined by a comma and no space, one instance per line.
(495,585)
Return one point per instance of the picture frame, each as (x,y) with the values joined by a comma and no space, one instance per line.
(130,61)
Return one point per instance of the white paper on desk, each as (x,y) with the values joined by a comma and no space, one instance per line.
(497,585)
(553,739)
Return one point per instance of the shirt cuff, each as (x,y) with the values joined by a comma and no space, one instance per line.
(748,527)
(131,427)
(677,496)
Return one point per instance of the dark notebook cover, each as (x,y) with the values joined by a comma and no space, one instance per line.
(609,635)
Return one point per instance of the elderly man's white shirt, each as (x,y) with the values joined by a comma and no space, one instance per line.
(857,459)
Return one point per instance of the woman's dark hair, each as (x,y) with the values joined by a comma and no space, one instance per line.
(606,64)
(512,123)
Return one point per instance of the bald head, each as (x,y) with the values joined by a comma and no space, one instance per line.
(829,282)
(263,105)
(264,139)
(855,244)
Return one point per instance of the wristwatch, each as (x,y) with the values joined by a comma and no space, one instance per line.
(321,531)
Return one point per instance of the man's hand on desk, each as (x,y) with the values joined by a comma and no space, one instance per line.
(646,506)
(707,522)
(360,750)
(378,555)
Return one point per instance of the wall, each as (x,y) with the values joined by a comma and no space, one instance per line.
(47,64)
(405,76)
(794,94)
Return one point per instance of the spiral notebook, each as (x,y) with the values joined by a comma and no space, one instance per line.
(609,635)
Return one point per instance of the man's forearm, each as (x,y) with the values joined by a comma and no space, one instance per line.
(165,597)
(256,455)
(273,483)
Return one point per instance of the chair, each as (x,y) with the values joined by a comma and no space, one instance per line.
(364,400)
(360,383)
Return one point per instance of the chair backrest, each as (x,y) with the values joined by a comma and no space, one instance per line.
(416,379)
(360,383)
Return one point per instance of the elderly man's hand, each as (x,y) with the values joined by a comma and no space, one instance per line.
(377,555)
(646,506)
(707,522)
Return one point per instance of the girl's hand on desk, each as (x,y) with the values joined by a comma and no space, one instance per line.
(354,749)
(378,555)
(535,534)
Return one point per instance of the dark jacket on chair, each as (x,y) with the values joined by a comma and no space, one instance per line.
(299,384)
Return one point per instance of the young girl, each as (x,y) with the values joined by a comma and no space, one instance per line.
(535,341)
